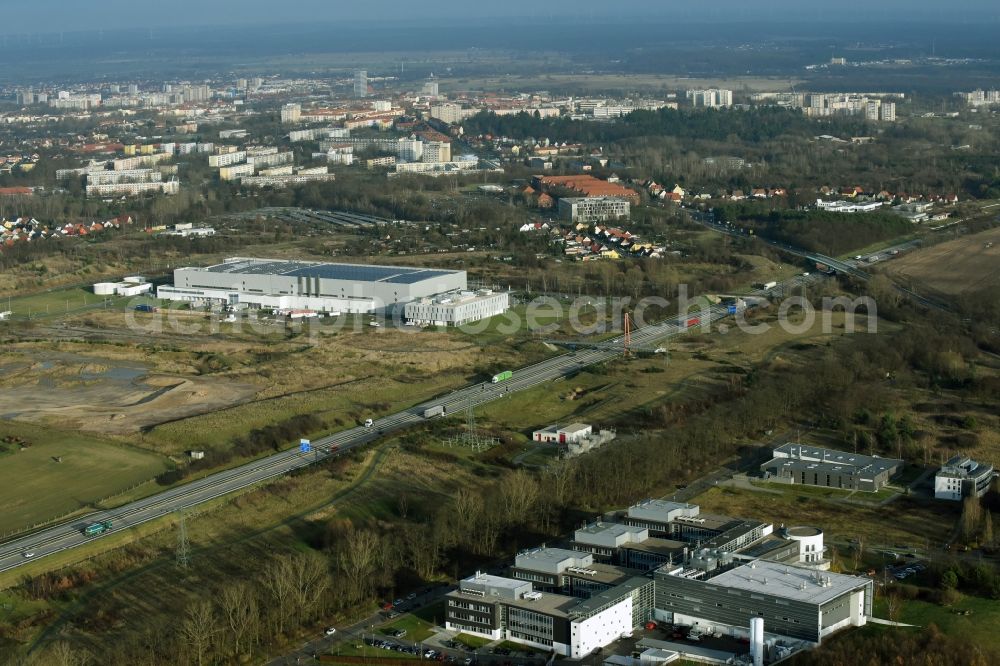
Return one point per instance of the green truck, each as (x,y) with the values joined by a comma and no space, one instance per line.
(95,529)
(502,377)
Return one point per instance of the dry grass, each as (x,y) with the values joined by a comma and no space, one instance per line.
(905,521)
(955,267)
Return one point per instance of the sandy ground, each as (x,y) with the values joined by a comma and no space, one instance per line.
(955,267)
(77,392)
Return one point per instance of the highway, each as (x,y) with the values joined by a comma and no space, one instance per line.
(853,267)
(68,535)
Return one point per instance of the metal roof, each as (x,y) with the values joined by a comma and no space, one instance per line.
(328,271)
(788,582)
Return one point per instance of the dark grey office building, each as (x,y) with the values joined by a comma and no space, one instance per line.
(794,602)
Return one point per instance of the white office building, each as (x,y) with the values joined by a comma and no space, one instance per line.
(963,477)
(457,308)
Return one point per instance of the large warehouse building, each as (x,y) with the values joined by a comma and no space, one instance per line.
(323,287)
(795,602)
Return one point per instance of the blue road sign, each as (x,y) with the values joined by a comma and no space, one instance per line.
(305,446)
(732,309)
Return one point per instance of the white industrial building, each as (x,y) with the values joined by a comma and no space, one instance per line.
(129,286)
(307,285)
(562,434)
(457,308)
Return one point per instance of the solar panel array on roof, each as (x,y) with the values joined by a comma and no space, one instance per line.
(350,272)
(353,272)
(410,278)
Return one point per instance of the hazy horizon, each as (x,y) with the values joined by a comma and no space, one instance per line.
(45,16)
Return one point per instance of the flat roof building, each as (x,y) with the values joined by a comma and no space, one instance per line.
(324,287)
(594,209)
(626,546)
(815,466)
(504,608)
(794,602)
(457,308)
(562,434)
(963,477)
(686,523)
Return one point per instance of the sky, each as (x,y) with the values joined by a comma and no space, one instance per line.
(46,16)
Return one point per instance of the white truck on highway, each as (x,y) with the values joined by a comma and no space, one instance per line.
(436,410)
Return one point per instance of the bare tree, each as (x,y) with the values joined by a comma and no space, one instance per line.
(357,561)
(277,580)
(239,609)
(198,628)
(518,495)
(858,554)
(311,580)
(972,512)
(61,653)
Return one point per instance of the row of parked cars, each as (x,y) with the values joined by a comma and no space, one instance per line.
(455,645)
(389,645)
(904,571)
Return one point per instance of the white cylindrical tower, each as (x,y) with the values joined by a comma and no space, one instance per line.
(810,543)
(757,641)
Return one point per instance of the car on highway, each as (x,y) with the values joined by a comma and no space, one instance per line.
(369,423)
(330,631)
(29,553)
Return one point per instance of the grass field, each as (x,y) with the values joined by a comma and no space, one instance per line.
(35,488)
(692,365)
(979,627)
(905,522)
(954,267)
(472,641)
(417,629)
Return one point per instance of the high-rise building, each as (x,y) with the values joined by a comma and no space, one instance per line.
(410,150)
(872,109)
(436,151)
(711,98)
(432,89)
(360,83)
(291,113)
(888,112)
(133,89)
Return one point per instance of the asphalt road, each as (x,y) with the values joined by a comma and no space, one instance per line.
(65,536)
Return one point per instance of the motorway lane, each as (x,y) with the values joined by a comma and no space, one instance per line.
(70,535)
